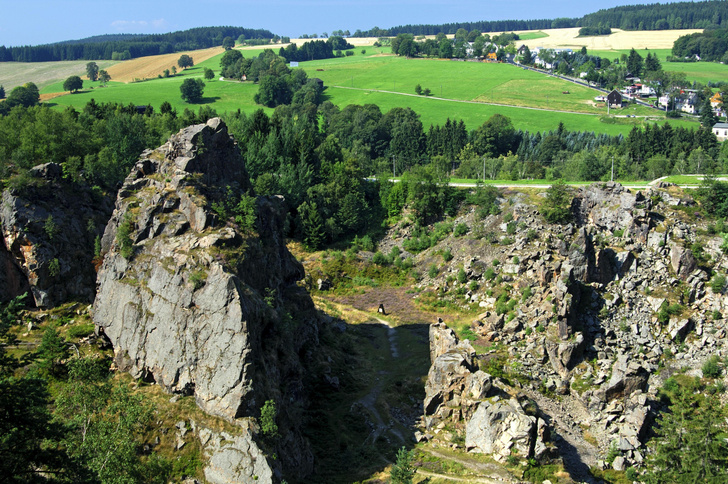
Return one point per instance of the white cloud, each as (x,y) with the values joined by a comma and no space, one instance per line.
(138,25)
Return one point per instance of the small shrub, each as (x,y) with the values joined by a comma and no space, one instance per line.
(711,368)
(489,274)
(447,255)
(717,283)
(462,277)
(511,228)
(380,259)
(123,237)
(432,271)
(516,260)
(198,279)
(54,268)
(460,230)
(507,217)
(51,227)
(495,262)
(268,419)
(473,286)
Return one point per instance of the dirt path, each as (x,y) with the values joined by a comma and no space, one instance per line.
(489,472)
(421,472)
(578,454)
(369,400)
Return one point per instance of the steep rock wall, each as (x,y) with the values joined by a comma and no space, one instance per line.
(201,305)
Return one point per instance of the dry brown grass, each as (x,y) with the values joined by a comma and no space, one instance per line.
(152,66)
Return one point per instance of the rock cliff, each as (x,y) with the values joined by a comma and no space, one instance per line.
(49,227)
(207,305)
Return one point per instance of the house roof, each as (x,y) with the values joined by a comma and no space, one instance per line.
(720,126)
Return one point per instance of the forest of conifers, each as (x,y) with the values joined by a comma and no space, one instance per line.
(128,47)
(318,155)
(683,15)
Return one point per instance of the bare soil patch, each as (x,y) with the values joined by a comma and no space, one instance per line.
(153,66)
(398,304)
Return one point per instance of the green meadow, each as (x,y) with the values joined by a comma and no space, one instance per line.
(471,91)
(702,72)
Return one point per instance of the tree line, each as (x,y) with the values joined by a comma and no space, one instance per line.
(114,48)
(318,155)
(710,45)
(681,15)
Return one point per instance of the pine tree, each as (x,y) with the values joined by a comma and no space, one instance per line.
(402,471)
(690,445)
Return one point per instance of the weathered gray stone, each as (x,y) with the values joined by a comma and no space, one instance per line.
(499,428)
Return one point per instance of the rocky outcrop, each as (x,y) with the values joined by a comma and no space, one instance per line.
(48,228)
(201,305)
(457,392)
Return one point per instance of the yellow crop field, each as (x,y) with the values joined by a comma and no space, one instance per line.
(618,40)
(152,66)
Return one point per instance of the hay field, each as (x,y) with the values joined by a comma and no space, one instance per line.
(619,39)
(151,66)
(13,74)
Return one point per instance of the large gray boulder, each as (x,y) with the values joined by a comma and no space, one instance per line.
(499,428)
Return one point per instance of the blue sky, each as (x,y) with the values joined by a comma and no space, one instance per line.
(46,21)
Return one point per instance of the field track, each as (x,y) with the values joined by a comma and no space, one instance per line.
(152,66)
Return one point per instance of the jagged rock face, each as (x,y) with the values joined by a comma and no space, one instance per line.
(197,305)
(48,231)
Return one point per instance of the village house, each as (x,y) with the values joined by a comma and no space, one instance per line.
(720,130)
(614,99)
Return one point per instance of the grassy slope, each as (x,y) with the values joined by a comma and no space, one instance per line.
(373,72)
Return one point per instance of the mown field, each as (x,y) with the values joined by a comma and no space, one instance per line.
(13,74)
(471,91)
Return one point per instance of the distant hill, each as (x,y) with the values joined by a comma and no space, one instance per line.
(682,15)
(128,46)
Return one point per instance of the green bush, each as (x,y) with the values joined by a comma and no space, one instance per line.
(712,368)
(432,271)
(717,283)
(268,419)
(447,255)
(123,237)
(462,277)
(460,230)
(380,259)
(489,274)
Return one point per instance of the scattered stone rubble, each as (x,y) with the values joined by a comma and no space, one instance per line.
(588,339)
